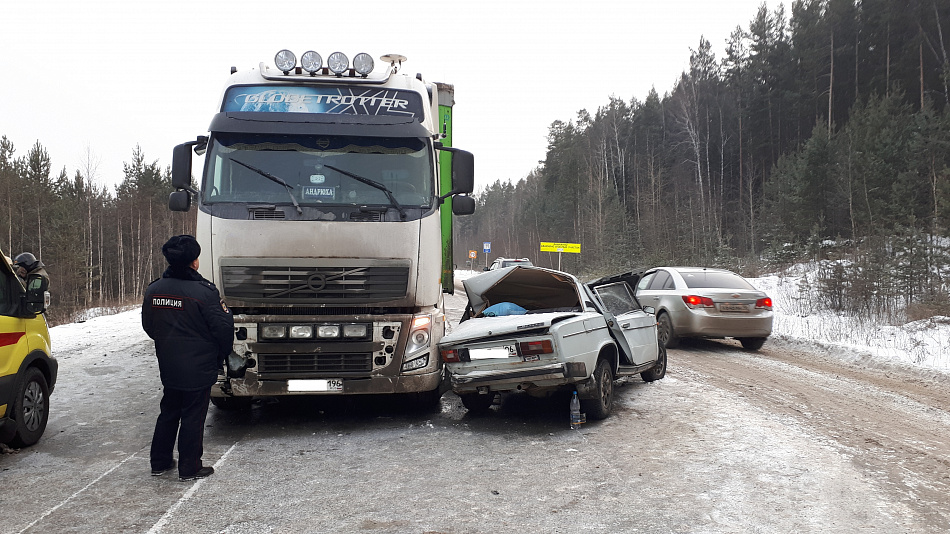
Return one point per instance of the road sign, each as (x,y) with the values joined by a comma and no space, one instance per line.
(561,247)
(486,247)
(472,254)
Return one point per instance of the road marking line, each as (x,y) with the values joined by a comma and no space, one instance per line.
(74,495)
(158,526)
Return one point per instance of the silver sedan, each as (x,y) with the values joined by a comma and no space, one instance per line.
(703,302)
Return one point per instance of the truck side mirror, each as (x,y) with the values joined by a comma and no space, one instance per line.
(181,166)
(179,201)
(463,205)
(37,296)
(463,171)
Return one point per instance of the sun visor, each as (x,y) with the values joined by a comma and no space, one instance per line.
(317,124)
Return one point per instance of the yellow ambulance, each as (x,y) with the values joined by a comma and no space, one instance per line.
(27,367)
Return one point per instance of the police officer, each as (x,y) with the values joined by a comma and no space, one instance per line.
(193,331)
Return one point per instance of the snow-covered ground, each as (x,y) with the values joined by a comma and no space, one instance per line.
(925,343)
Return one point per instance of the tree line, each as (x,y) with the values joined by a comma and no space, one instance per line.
(101,247)
(821,135)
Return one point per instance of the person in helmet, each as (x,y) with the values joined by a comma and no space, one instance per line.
(26,264)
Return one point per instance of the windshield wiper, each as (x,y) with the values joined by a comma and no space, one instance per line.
(275,179)
(372,183)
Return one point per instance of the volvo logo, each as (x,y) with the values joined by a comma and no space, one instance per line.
(316,282)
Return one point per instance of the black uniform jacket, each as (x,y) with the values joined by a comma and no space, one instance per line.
(192,328)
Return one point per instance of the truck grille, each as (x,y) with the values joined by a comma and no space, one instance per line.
(294,364)
(300,282)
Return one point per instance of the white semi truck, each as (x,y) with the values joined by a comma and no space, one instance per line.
(325,220)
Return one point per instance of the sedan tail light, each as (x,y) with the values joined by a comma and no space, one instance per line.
(695,301)
(765,303)
(451,356)
(530,348)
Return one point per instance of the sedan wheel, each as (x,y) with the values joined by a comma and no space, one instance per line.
(665,333)
(752,343)
(599,408)
(30,408)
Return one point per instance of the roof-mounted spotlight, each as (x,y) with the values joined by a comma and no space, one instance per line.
(311,62)
(338,63)
(394,60)
(363,64)
(285,61)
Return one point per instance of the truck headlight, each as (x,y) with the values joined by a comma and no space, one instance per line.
(311,61)
(355,330)
(328,330)
(363,63)
(273,331)
(338,62)
(285,61)
(417,363)
(301,332)
(419,334)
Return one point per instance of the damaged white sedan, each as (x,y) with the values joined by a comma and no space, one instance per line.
(538,330)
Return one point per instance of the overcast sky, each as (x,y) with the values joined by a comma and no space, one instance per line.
(101,76)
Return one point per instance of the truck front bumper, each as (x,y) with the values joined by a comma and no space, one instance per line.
(251,386)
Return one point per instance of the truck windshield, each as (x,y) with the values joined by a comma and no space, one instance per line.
(319,170)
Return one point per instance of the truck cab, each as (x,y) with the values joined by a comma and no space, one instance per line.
(27,368)
(324,217)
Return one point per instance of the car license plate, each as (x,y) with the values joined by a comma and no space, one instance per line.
(333,385)
(488,353)
(730,307)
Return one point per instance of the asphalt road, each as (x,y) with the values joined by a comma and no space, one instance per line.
(785,439)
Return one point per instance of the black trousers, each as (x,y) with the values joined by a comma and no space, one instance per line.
(183,416)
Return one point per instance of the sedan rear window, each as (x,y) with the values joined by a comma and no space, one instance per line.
(715,279)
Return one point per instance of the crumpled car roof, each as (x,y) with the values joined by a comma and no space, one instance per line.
(534,288)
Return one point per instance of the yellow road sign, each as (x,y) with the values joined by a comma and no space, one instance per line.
(561,247)
(472,254)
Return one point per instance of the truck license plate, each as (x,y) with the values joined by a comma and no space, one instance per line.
(333,385)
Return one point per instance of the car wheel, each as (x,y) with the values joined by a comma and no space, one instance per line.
(752,343)
(599,407)
(477,402)
(30,408)
(232,404)
(665,333)
(658,371)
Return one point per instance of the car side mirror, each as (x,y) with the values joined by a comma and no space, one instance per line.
(650,309)
(37,294)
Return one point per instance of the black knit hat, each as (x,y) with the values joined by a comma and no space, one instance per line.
(181,250)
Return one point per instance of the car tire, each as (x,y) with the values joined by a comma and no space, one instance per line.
(477,402)
(232,404)
(658,371)
(30,408)
(665,332)
(599,407)
(752,343)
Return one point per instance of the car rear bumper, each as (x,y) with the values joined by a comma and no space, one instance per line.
(549,375)
(703,324)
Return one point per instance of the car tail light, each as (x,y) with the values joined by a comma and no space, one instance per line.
(529,348)
(451,356)
(695,301)
(765,303)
